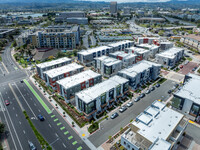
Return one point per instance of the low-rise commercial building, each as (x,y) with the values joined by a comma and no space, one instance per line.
(192,40)
(187,98)
(157,128)
(170,57)
(53,75)
(153,49)
(77,20)
(142,54)
(127,58)
(95,100)
(141,73)
(67,87)
(108,66)
(41,68)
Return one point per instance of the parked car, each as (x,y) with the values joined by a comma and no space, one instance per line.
(186,62)
(157,85)
(142,95)
(137,99)
(129,104)
(22,81)
(152,88)
(122,109)
(181,66)
(194,68)
(7,102)
(147,91)
(40,117)
(113,116)
(31,145)
(169,92)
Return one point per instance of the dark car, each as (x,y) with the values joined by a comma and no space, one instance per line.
(7,102)
(31,146)
(157,85)
(142,95)
(40,117)
(122,109)
(194,68)
(137,99)
(22,81)
(152,88)
(113,116)
(169,92)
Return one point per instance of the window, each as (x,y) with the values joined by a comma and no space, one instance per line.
(128,146)
(124,143)
(194,109)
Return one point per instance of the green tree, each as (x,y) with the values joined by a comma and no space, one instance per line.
(2,128)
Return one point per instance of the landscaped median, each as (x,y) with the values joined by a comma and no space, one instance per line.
(42,141)
(38,97)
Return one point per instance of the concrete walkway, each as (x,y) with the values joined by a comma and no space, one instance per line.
(82,132)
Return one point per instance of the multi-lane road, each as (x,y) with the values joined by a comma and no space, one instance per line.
(21,97)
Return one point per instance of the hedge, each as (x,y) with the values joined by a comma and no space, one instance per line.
(42,141)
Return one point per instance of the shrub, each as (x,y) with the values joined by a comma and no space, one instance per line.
(93,127)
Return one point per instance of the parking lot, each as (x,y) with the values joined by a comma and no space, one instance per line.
(188,68)
(111,126)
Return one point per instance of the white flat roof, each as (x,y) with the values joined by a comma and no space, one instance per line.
(150,46)
(170,53)
(92,93)
(138,50)
(93,50)
(108,61)
(160,126)
(61,70)
(123,54)
(137,68)
(161,144)
(191,89)
(119,43)
(77,78)
(53,62)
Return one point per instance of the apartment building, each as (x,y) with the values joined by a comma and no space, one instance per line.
(121,46)
(41,68)
(140,73)
(153,49)
(67,87)
(95,100)
(66,37)
(146,40)
(170,57)
(53,75)
(157,128)
(113,7)
(165,45)
(86,57)
(192,40)
(187,98)
(127,59)
(108,66)
(142,54)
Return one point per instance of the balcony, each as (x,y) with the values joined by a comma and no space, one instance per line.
(90,113)
(102,106)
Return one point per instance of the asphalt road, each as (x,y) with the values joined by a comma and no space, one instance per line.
(194,132)
(17,128)
(110,127)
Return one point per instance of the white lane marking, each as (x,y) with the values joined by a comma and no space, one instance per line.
(12,126)
(56,134)
(24,131)
(20,122)
(16,115)
(35,104)
(13,108)
(64,145)
(5,67)
(49,125)
(39,110)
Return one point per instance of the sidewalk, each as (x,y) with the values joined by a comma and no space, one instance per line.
(82,132)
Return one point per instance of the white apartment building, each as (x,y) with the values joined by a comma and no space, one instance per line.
(142,54)
(187,98)
(108,66)
(67,87)
(165,45)
(42,67)
(146,40)
(157,128)
(53,75)
(141,73)
(121,46)
(191,40)
(153,49)
(127,58)
(170,57)
(95,100)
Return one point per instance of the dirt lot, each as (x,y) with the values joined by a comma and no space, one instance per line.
(188,68)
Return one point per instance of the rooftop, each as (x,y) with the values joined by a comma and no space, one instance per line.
(170,53)
(149,46)
(92,93)
(93,50)
(123,54)
(77,78)
(108,61)
(138,50)
(119,43)
(137,68)
(53,62)
(61,70)
(190,89)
